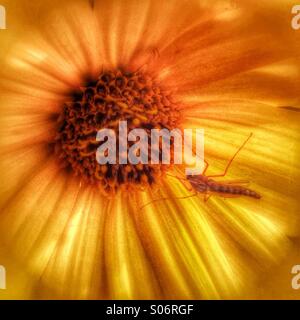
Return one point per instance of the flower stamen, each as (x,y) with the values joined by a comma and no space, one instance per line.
(114,97)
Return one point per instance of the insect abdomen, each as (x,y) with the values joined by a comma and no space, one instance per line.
(234,190)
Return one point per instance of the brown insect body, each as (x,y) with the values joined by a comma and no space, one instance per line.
(204,184)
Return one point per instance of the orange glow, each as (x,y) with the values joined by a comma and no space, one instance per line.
(233,70)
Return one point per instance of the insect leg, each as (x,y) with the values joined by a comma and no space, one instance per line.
(206,197)
(231,160)
(169,198)
(181,179)
(206,167)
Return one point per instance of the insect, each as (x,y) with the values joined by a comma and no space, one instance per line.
(208,186)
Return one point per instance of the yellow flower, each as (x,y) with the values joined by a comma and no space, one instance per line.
(232,67)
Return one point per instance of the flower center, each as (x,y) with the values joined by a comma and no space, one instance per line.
(114,97)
